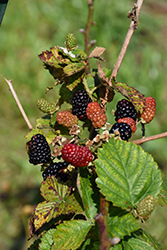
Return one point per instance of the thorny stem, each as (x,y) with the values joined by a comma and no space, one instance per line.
(132,28)
(89,23)
(101,220)
(150,138)
(87,30)
(9,82)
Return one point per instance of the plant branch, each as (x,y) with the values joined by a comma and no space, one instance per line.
(9,82)
(150,138)
(132,27)
(101,220)
(89,23)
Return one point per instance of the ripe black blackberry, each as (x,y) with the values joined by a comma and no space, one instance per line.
(80,101)
(125,109)
(56,170)
(123,129)
(39,150)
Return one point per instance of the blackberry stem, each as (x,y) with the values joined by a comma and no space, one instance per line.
(143,129)
(132,28)
(9,82)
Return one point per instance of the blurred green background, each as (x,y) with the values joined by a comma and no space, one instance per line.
(30,27)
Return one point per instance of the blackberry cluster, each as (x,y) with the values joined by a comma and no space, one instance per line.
(78,156)
(39,150)
(125,109)
(123,129)
(80,101)
(56,169)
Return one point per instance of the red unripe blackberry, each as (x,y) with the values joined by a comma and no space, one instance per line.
(78,156)
(130,122)
(80,102)
(56,170)
(149,110)
(66,119)
(39,150)
(123,129)
(125,109)
(96,114)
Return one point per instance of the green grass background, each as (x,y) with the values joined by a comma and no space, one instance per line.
(30,27)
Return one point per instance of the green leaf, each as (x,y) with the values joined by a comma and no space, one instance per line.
(136,244)
(121,223)
(43,122)
(90,81)
(126,173)
(143,235)
(81,55)
(33,132)
(86,192)
(74,80)
(70,234)
(74,68)
(162,196)
(58,202)
(132,94)
(47,240)
(116,247)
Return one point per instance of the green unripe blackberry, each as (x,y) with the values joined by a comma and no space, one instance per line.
(71,42)
(146,206)
(45,106)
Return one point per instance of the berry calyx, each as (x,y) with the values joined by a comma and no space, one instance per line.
(96,114)
(80,101)
(149,111)
(146,206)
(39,150)
(123,129)
(67,119)
(78,156)
(130,122)
(125,109)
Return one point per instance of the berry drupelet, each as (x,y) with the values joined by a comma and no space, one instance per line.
(123,129)
(39,150)
(56,170)
(80,101)
(125,109)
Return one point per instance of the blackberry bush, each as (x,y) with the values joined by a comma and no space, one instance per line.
(110,177)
